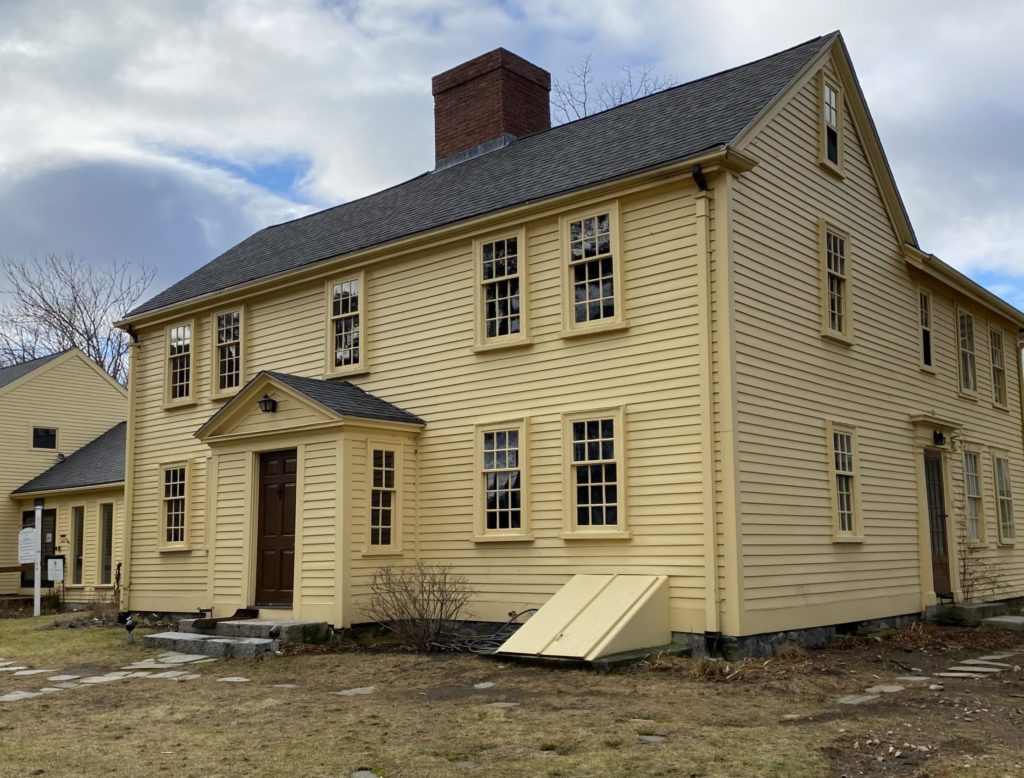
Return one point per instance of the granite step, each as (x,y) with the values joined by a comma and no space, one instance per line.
(1005,622)
(292,631)
(210,645)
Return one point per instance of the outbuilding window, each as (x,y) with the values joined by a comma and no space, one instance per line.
(106,543)
(77,543)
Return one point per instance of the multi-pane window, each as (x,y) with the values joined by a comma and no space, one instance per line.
(844,472)
(998,367)
(174,504)
(106,543)
(229,350)
(925,308)
(968,364)
(44,437)
(179,361)
(592,269)
(502,480)
(77,542)
(595,473)
(972,494)
(1004,497)
(500,278)
(830,118)
(345,323)
(382,498)
(837,283)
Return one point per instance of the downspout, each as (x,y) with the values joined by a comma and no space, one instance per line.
(702,202)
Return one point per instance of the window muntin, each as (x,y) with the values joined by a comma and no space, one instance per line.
(592,269)
(500,279)
(1004,498)
(346,323)
(972,497)
(968,361)
(174,483)
(502,479)
(837,283)
(925,316)
(106,543)
(383,497)
(44,437)
(830,118)
(995,338)
(179,362)
(77,543)
(595,473)
(229,350)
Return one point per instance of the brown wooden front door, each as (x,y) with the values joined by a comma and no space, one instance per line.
(937,521)
(275,532)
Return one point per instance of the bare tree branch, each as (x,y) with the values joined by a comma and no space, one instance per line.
(59,302)
(576,96)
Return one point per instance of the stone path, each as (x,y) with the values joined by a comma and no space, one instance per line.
(166,666)
(981,667)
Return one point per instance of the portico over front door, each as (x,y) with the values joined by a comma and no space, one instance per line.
(275,528)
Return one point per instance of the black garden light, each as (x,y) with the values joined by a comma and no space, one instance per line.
(267,404)
(129,627)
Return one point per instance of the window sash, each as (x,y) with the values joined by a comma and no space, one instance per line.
(106,543)
(500,287)
(836,276)
(1004,497)
(77,543)
(968,363)
(501,474)
(383,497)
(174,484)
(844,476)
(592,269)
(972,492)
(998,367)
(346,323)
(595,469)
(229,350)
(830,121)
(925,307)
(179,361)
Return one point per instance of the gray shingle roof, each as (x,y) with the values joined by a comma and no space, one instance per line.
(646,133)
(95,463)
(346,399)
(8,375)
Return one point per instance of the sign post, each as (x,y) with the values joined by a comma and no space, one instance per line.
(38,561)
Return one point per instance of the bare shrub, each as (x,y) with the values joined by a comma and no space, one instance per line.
(418,603)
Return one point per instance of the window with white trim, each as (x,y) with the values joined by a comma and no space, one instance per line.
(845,487)
(1004,498)
(972,496)
(968,360)
(592,269)
(174,486)
(836,303)
(229,351)
(830,115)
(77,543)
(995,338)
(500,282)
(595,455)
(925,318)
(383,497)
(179,362)
(346,324)
(502,477)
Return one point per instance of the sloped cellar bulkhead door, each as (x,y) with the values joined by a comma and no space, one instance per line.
(275,530)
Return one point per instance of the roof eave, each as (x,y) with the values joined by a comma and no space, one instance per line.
(49,492)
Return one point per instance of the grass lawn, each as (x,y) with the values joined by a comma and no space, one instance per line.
(425,718)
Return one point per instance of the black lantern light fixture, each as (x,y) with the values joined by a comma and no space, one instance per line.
(267,404)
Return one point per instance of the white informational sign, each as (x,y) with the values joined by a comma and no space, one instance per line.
(55,569)
(27,546)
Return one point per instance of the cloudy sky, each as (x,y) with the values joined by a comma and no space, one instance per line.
(165,132)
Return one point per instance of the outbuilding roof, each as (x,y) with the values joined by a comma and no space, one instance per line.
(96,463)
(656,130)
(11,373)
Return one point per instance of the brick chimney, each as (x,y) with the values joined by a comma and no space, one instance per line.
(487,102)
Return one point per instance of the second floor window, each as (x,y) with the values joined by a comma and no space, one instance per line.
(345,324)
(106,542)
(837,284)
(998,367)
(229,350)
(500,278)
(968,364)
(174,506)
(77,543)
(925,309)
(592,269)
(179,361)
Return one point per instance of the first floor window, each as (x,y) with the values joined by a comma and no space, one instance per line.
(179,361)
(1004,498)
(595,471)
(592,269)
(972,492)
(106,542)
(968,366)
(383,498)
(229,350)
(998,367)
(174,507)
(345,322)
(502,477)
(844,474)
(44,437)
(77,542)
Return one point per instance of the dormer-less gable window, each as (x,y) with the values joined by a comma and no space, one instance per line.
(836,298)
(346,317)
(831,121)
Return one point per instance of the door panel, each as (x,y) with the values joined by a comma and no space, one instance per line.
(937,522)
(275,540)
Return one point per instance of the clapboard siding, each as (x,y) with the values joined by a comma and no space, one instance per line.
(790,381)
